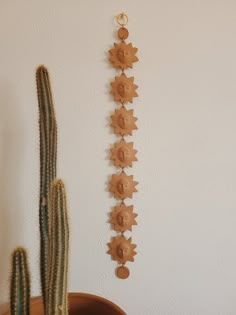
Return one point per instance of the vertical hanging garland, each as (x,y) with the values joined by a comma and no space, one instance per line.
(122,185)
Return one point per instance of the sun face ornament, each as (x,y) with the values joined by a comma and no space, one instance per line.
(123,55)
(123,89)
(123,122)
(123,154)
(122,186)
(123,218)
(122,249)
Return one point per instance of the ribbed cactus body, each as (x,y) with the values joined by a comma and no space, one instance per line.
(48,159)
(20,283)
(59,239)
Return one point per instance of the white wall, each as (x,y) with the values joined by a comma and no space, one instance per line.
(186,262)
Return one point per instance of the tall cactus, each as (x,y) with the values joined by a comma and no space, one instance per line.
(20,283)
(59,242)
(48,159)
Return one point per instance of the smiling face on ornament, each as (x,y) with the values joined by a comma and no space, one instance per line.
(123,218)
(124,89)
(123,120)
(123,186)
(123,154)
(123,250)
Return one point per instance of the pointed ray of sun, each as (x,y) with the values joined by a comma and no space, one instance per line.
(123,55)
(123,89)
(123,154)
(122,249)
(123,121)
(122,186)
(122,218)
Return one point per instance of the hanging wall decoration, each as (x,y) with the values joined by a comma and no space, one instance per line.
(122,185)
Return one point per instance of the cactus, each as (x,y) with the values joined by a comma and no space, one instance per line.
(48,159)
(54,229)
(59,241)
(20,283)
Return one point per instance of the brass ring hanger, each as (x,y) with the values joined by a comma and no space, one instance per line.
(122,19)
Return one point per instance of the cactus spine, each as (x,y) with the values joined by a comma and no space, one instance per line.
(48,159)
(59,239)
(20,283)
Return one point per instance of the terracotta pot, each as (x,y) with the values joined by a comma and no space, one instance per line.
(80,304)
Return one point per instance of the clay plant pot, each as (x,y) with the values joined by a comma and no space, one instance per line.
(80,304)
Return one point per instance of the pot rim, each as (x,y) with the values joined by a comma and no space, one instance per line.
(73,296)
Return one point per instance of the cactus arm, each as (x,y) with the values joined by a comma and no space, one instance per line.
(48,159)
(20,283)
(59,240)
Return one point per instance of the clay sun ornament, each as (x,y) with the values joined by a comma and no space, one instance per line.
(123,154)
(122,249)
(123,121)
(123,89)
(123,55)
(122,186)
(123,218)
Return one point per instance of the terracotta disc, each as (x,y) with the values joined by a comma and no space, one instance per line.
(122,272)
(123,33)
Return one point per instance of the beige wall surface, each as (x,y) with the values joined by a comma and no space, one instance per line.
(186,237)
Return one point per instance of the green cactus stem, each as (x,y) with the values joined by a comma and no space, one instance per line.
(20,283)
(48,159)
(59,242)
